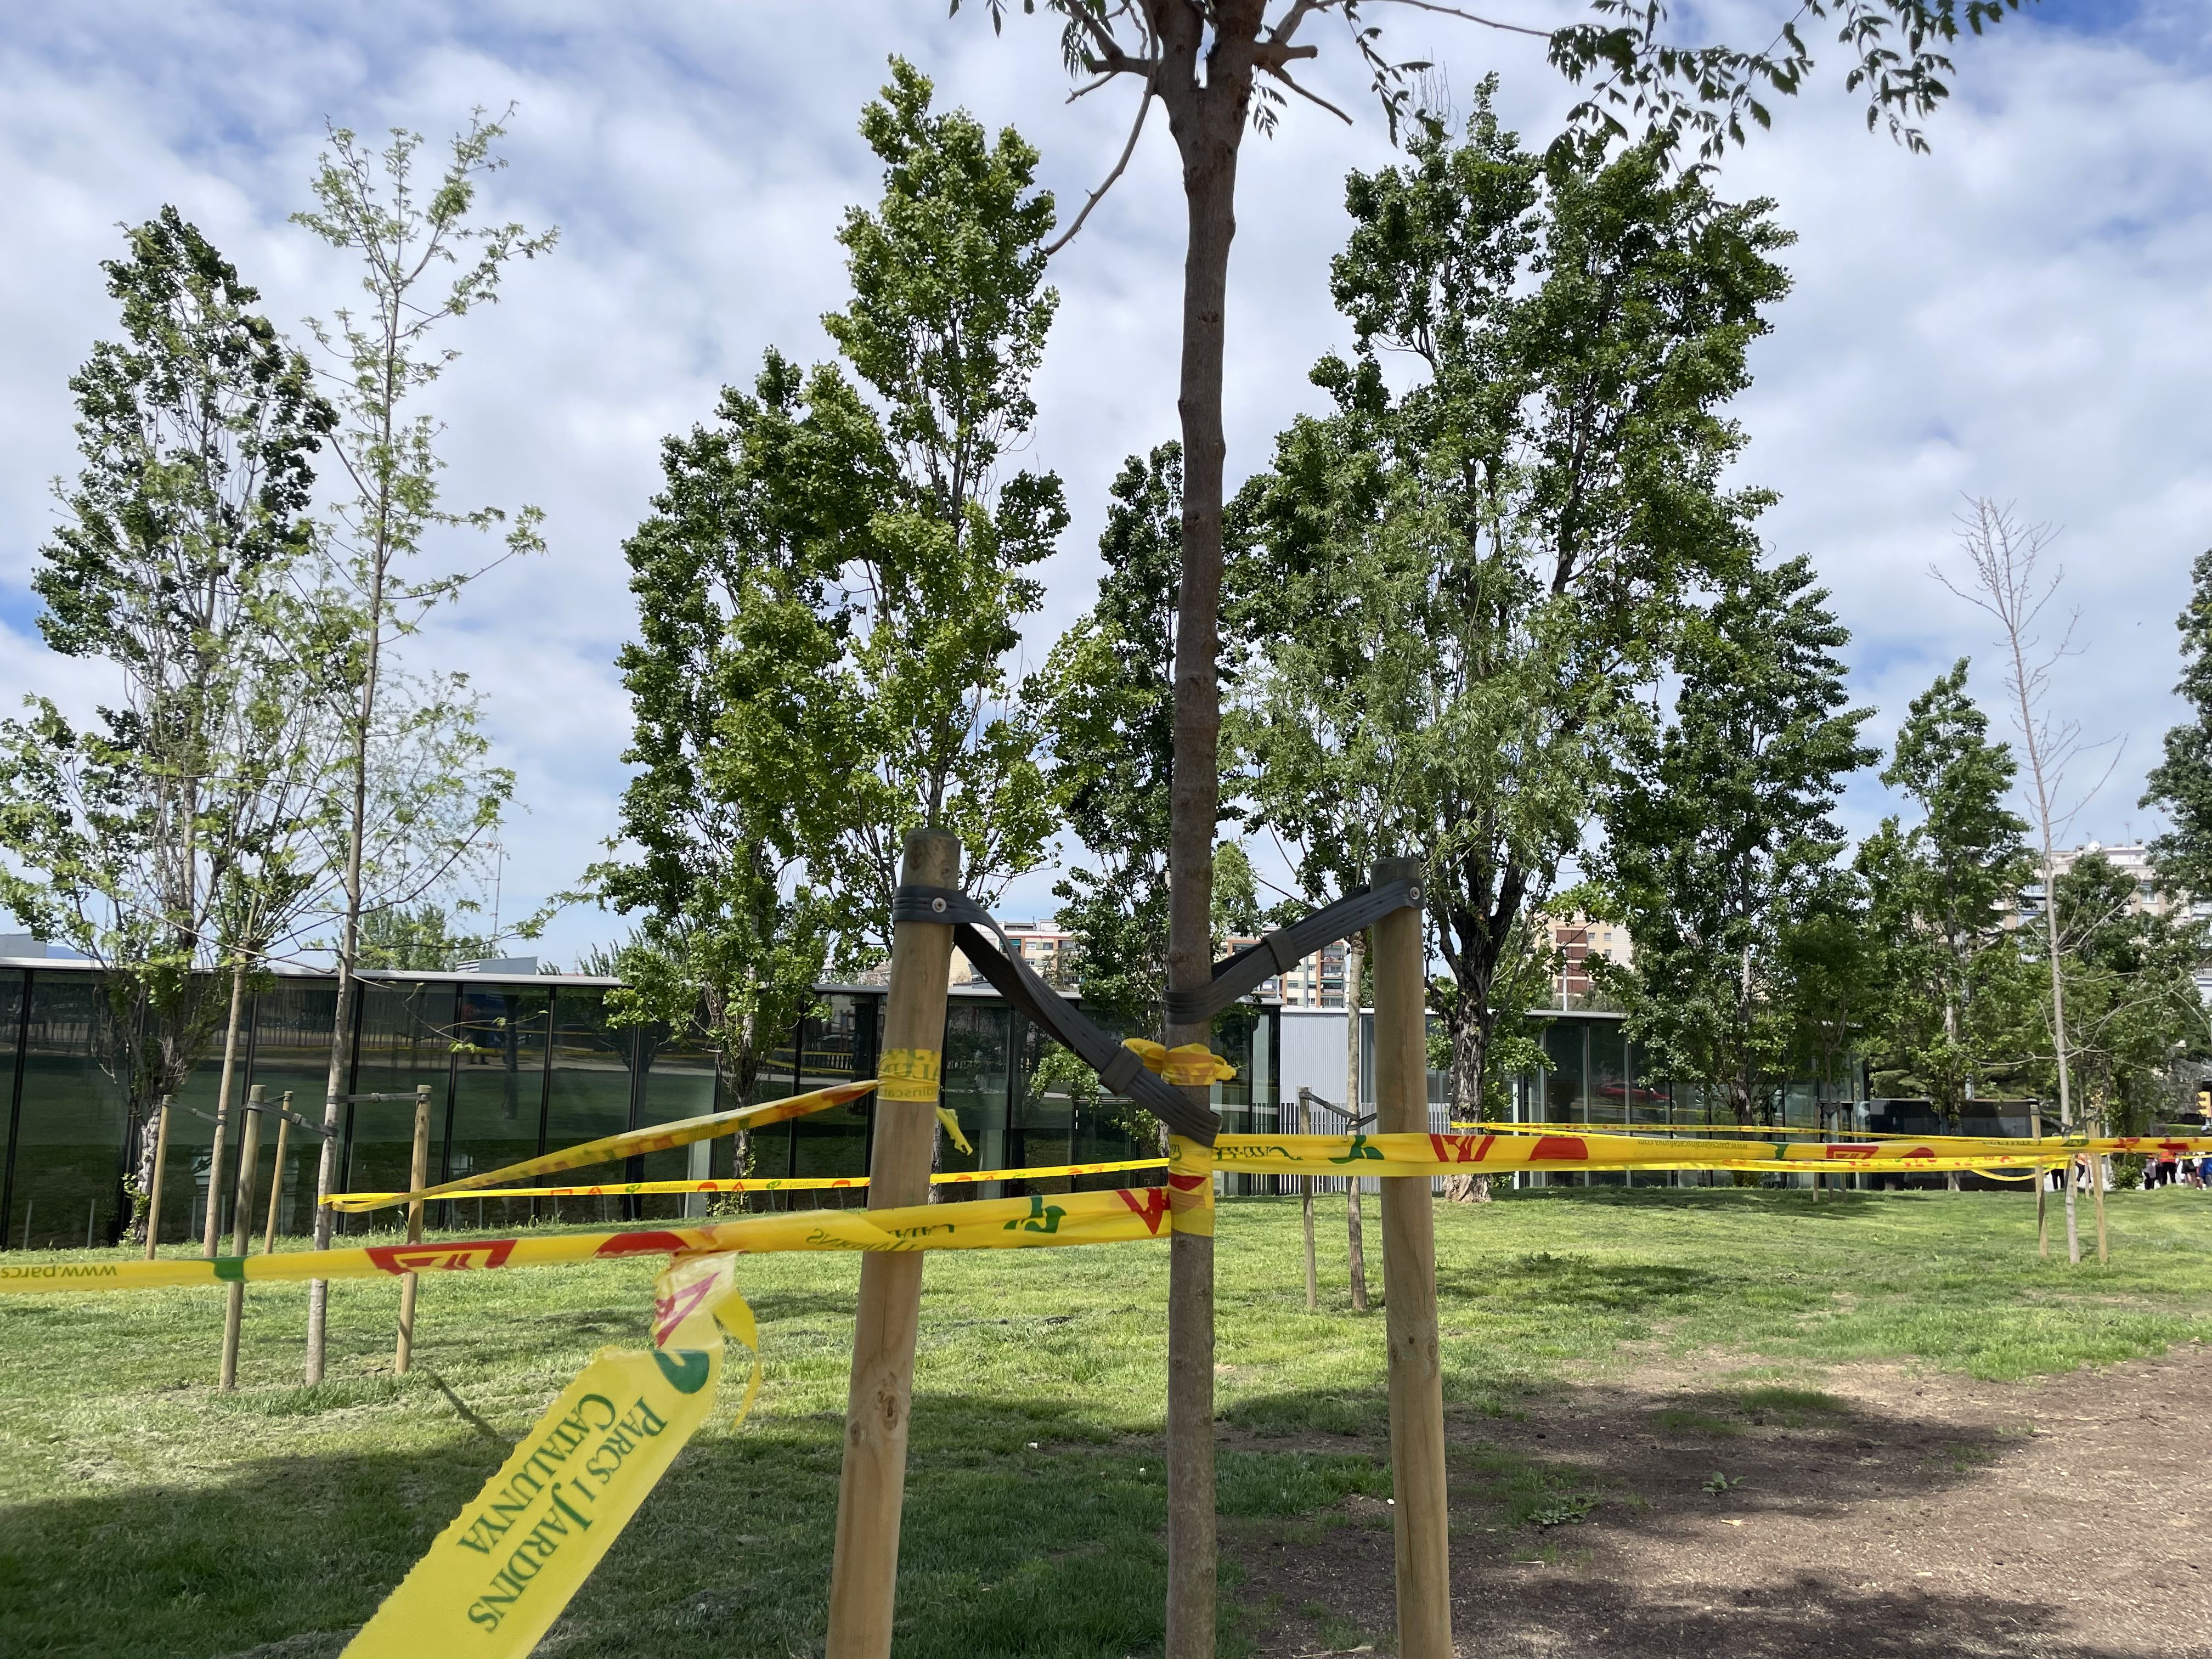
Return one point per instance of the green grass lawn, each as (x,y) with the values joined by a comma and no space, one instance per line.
(142,1513)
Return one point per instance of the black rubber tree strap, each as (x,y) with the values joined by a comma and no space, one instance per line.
(1282,951)
(1118,1068)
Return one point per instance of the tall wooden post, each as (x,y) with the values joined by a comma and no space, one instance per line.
(276,1174)
(211,1227)
(418,1177)
(1305,1203)
(160,1168)
(1355,953)
(2042,1185)
(2097,1191)
(241,1230)
(1420,1515)
(871,1489)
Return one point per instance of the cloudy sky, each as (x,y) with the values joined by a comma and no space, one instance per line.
(2021,314)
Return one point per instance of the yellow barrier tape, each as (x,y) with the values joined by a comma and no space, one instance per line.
(1434,1154)
(500,1575)
(953,1129)
(1190,1186)
(1189,1065)
(630,1144)
(2079,1142)
(909,1074)
(792,1184)
(1111,1216)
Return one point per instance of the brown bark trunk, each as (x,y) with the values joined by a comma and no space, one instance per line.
(1207,119)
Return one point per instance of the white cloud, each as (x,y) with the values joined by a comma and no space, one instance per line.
(2019,314)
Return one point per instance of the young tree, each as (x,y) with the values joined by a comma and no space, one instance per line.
(2002,555)
(1952,881)
(734,574)
(1720,833)
(1205,62)
(372,204)
(134,843)
(1455,590)
(1105,707)
(946,328)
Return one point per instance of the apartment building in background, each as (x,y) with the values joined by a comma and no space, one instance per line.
(1579,940)
(1048,950)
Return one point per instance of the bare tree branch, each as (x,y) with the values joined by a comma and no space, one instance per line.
(1310,97)
(1136,127)
(1473,17)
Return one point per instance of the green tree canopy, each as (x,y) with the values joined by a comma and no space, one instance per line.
(1452,591)
(1721,833)
(1105,706)
(1948,888)
(151,842)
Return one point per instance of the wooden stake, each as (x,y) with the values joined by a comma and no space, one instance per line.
(210,1228)
(1420,1519)
(1355,953)
(872,1486)
(419,1177)
(276,1175)
(241,1230)
(2042,1188)
(161,1164)
(2097,1187)
(1304,1127)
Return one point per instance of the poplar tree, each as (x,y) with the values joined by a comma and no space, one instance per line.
(425,261)
(734,574)
(1720,831)
(945,330)
(1949,886)
(1105,708)
(1453,590)
(152,842)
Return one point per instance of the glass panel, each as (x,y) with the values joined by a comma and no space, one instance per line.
(839,1043)
(1564,1098)
(768,1151)
(589,1096)
(11,1031)
(1042,1132)
(498,1090)
(292,1053)
(976,1038)
(69,1127)
(406,1039)
(1608,1065)
(1649,1100)
(680,1083)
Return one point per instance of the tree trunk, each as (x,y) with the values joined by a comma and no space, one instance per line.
(1470,1042)
(1355,957)
(1208,131)
(208,1233)
(327,1166)
(1207,121)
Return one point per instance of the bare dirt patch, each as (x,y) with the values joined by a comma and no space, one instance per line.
(1874,1510)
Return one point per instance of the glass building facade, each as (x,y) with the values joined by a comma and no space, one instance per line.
(518,1068)
(1598,1076)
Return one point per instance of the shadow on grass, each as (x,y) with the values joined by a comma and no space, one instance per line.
(1046,1552)
(1798,1203)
